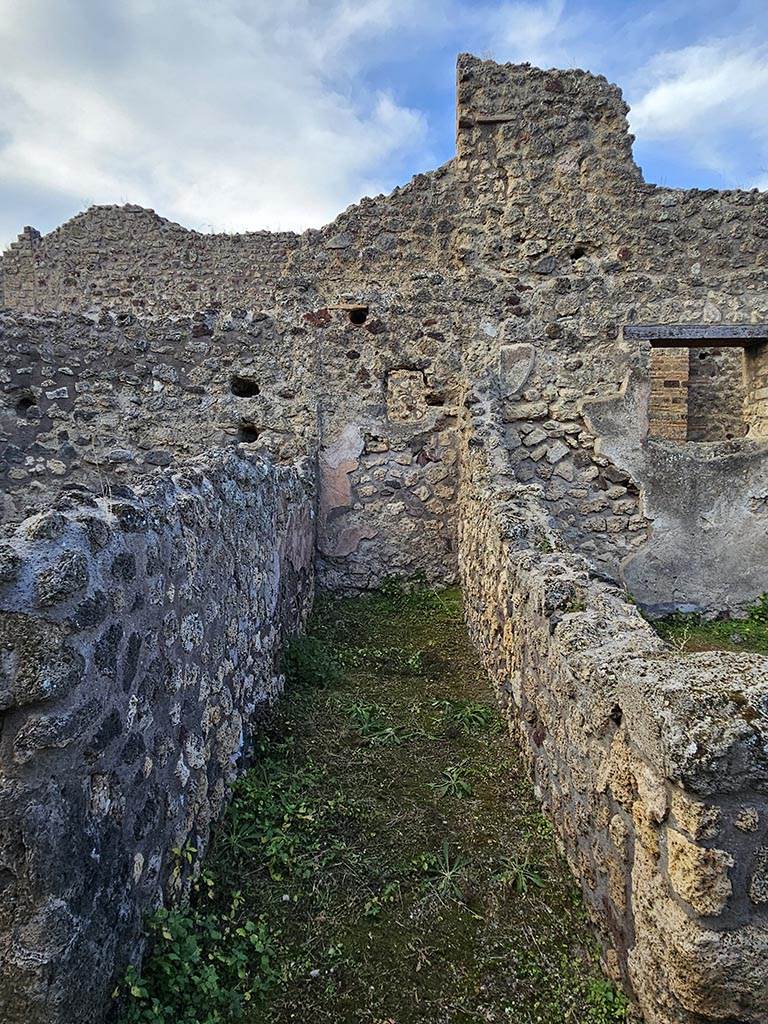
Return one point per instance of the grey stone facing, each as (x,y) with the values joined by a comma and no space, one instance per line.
(133,674)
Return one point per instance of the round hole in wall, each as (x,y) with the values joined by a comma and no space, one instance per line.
(243,387)
(578,252)
(702,355)
(24,404)
(248,433)
(358,315)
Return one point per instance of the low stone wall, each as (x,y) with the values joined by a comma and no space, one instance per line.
(651,764)
(139,637)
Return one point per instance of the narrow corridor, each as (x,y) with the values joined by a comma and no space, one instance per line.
(384,861)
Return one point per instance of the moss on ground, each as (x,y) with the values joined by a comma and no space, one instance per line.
(385,861)
(690,633)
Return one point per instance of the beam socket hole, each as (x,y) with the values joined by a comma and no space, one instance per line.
(358,315)
(243,387)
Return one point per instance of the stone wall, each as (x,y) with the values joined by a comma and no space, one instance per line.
(716,394)
(387,415)
(705,503)
(536,245)
(756,398)
(103,400)
(668,403)
(99,401)
(564,245)
(129,258)
(139,637)
(651,764)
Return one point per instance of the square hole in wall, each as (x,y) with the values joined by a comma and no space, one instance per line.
(709,382)
(698,393)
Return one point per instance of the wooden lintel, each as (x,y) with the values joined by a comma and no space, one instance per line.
(495,118)
(697,335)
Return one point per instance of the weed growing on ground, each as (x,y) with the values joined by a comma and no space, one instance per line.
(444,870)
(370,724)
(308,662)
(454,781)
(384,858)
(411,594)
(205,968)
(521,875)
(468,717)
(691,632)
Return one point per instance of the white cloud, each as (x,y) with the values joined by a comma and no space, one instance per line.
(242,114)
(530,30)
(231,114)
(710,98)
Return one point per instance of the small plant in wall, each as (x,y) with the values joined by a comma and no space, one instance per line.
(544,544)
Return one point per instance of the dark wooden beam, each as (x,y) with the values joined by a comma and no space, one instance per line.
(496,118)
(697,335)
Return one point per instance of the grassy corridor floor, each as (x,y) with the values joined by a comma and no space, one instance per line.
(385,861)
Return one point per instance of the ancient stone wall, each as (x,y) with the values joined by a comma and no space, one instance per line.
(716,394)
(756,397)
(651,764)
(668,402)
(537,244)
(139,637)
(708,543)
(129,258)
(563,246)
(387,414)
(102,400)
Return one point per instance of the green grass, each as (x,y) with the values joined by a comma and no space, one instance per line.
(385,861)
(690,633)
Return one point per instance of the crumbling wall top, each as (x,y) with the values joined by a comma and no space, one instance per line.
(542,117)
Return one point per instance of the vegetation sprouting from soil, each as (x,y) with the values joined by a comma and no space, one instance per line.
(384,861)
(692,632)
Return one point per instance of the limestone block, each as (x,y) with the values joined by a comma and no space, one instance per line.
(698,874)
(698,819)
(515,367)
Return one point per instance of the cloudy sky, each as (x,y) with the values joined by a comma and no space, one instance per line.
(239,114)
